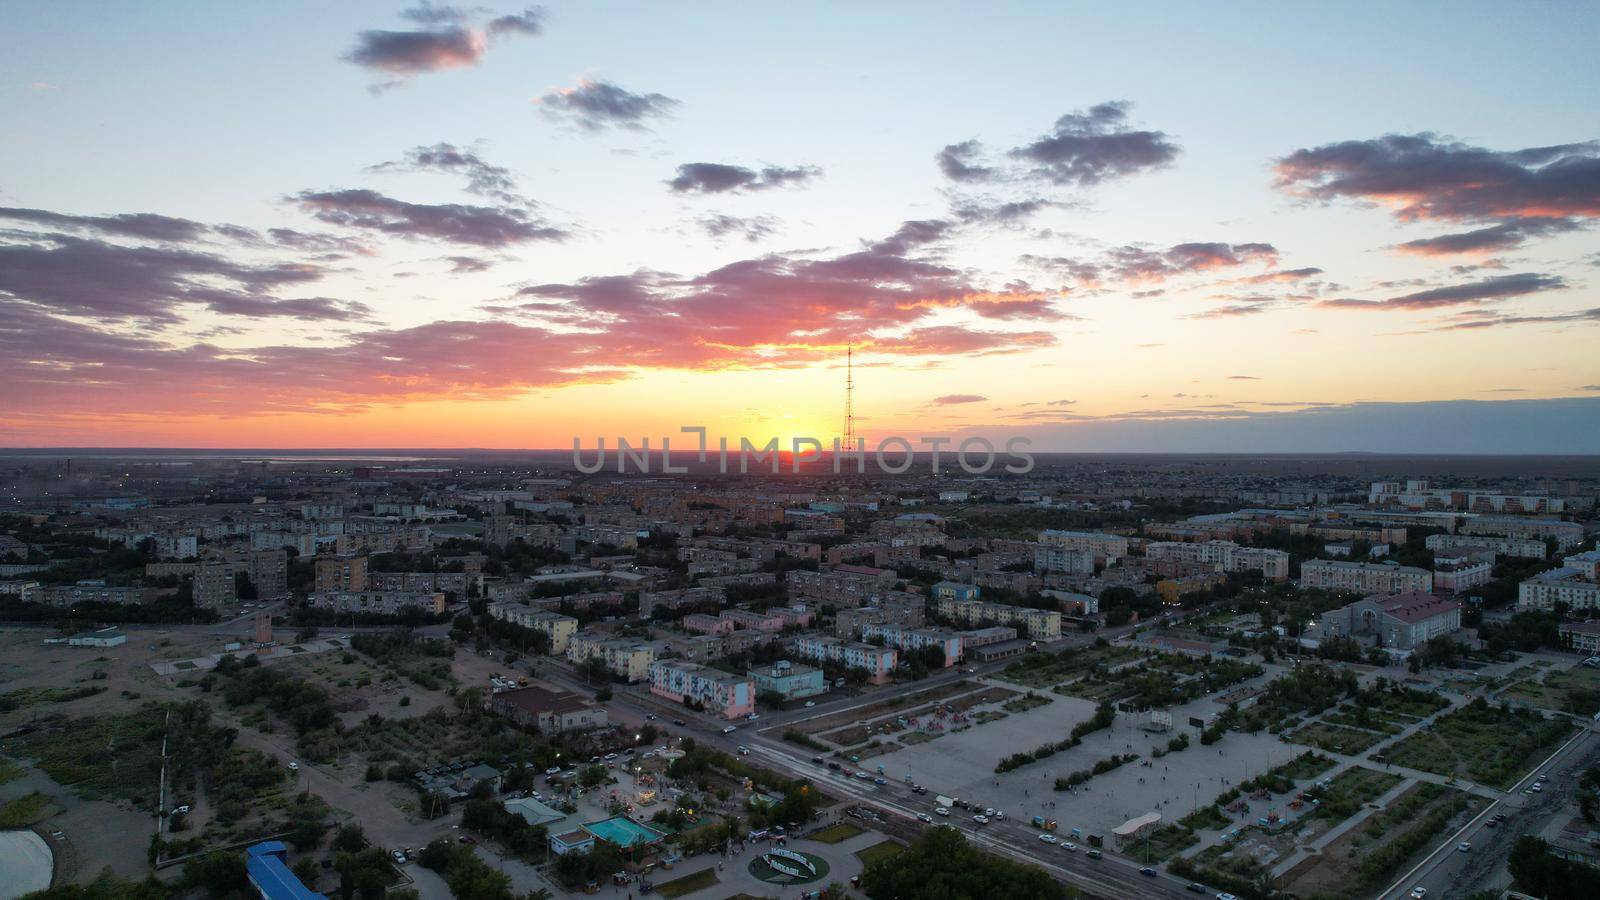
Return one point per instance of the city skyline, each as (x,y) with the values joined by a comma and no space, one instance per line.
(381,225)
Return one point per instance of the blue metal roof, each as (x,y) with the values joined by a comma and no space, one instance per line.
(264,864)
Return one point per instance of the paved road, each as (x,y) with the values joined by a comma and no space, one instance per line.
(1447,872)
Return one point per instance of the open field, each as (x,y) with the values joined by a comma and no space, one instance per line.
(1484,743)
(1336,738)
(880,850)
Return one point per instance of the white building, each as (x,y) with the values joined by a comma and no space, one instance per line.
(1502,546)
(1104,546)
(1546,589)
(1223,556)
(1366,578)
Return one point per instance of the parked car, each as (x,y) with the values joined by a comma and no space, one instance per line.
(1419,892)
(1047,838)
(730,729)
(981,820)
(924,817)
(1147,872)
(294,766)
(1464,847)
(1094,854)
(810,703)
(942,811)
(398,857)
(1070,847)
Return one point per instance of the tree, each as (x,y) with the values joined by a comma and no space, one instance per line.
(218,874)
(1539,873)
(350,838)
(941,863)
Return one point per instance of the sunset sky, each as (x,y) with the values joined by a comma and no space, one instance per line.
(1109,226)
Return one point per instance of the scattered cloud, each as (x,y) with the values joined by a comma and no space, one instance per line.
(448,38)
(598,105)
(482,226)
(1496,288)
(719,178)
(482,177)
(956,162)
(1095,145)
(1492,239)
(1137,264)
(1244,378)
(148,226)
(954,399)
(751,228)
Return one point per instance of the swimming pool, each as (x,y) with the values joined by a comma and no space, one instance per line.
(623,831)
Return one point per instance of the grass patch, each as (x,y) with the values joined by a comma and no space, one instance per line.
(835,834)
(9,771)
(1349,791)
(1162,843)
(1026,702)
(1492,745)
(879,851)
(23,698)
(1336,738)
(26,810)
(688,884)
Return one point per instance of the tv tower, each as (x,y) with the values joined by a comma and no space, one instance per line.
(850,439)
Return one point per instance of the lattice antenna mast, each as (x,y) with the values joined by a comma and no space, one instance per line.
(849,442)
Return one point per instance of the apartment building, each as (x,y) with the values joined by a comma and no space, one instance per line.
(1364,577)
(1587,565)
(93,592)
(1107,547)
(341,573)
(553,625)
(840,587)
(1038,624)
(1526,548)
(650,601)
(1224,556)
(1581,637)
(386,603)
(447,582)
(1566,534)
(1049,558)
(625,658)
(1457,574)
(879,662)
(215,584)
(550,711)
(723,693)
(907,639)
(1546,589)
(848,623)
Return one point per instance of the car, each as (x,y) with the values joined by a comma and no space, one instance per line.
(817,760)
(1048,838)
(593,760)
(1537,787)
(1195,887)
(610,756)
(879,782)
(1419,891)
(1226,896)
(981,820)
(753,716)
(1094,854)
(1070,847)
(1492,823)
(743,750)
(730,729)
(680,723)
(924,817)
(1464,847)
(863,776)
(988,811)
(294,766)
(1147,872)
(1542,779)
(834,766)
(553,770)
(810,703)
(58,834)
(467,839)
(398,857)
(180,810)
(942,811)
(1000,814)
(650,717)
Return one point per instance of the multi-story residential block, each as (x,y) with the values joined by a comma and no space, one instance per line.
(1566,534)
(555,626)
(268,571)
(848,623)
(1332,532)
(1546,589)
(683,598)
(702,623)
(627,659)
(1224,556)
(215,584)
(1401,621)
(410,539)
(1049,558)
(1587,565)
(455,583)
(789,680)
(1039,624)
(839,587)
(1367,578)
(1582,637)
(386,603)
(341,573)
(1501,546)
(1422,495)
(906,639)
(727,695)
(878,662)
(952,590)
(93,592)
(1106,547)
(1455,575)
